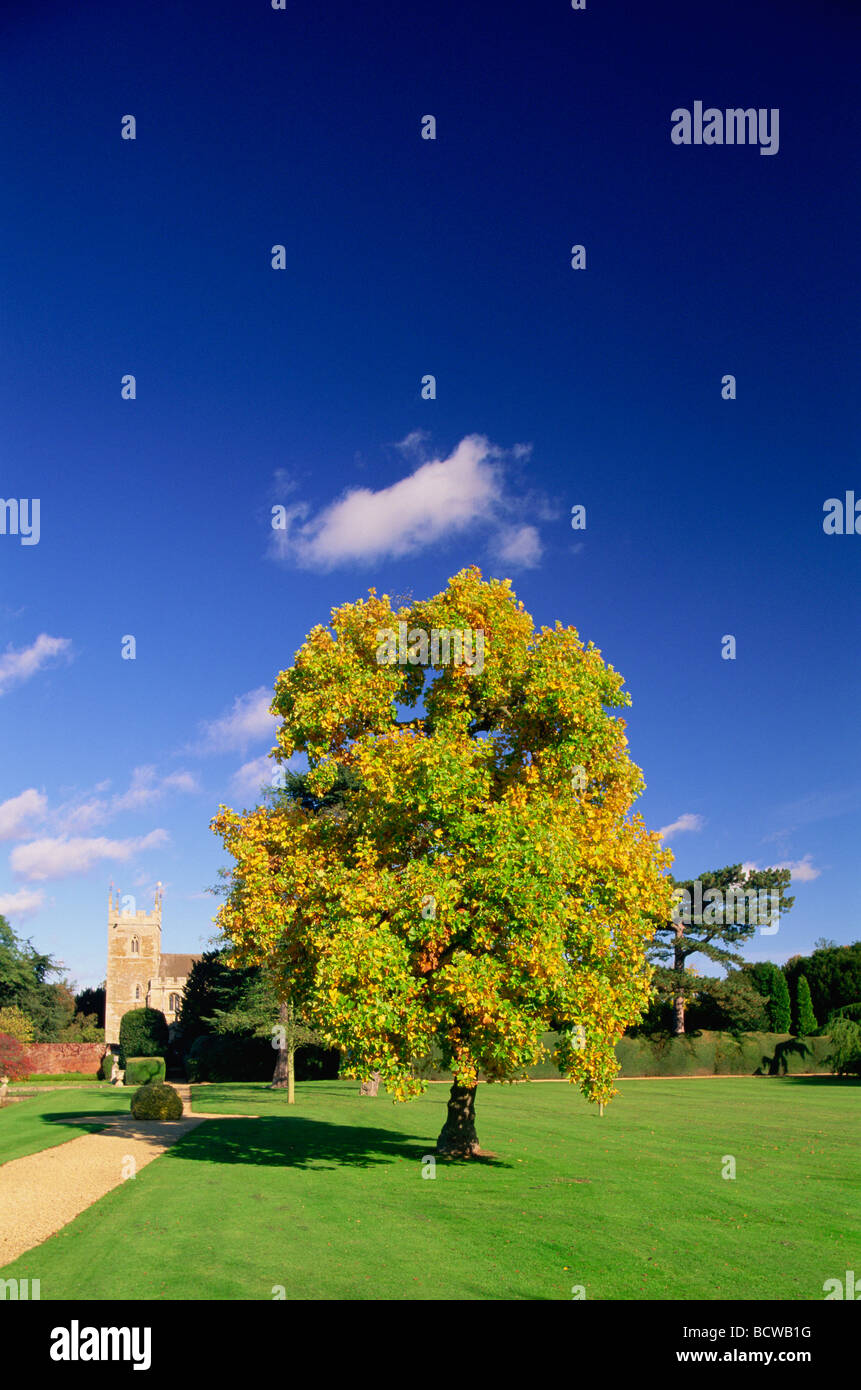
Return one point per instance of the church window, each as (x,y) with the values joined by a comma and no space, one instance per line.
(136,946)
(173,1003)
(137,991)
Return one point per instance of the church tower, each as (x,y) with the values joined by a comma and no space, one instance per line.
(134,959)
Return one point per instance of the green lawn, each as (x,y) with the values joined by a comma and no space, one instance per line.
(328,1200)
(39,1122)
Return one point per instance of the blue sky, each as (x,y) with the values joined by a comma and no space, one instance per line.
(301,387)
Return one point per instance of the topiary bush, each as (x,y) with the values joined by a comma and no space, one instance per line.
(106,1066)
(143,1033)
(156,1101)
(142,1071)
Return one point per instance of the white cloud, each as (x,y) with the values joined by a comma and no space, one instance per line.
(21,904)
(688,821)
(86,816)
(414,442)
(146,787)
(181,782)
(246,782)
(141,791)
(20,665)
(61,856)
(439,499)
(18,813)
(249,721)
(518,545)
(803,870)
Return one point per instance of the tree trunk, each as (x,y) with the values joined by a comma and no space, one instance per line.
(679,1000)
(458,1138)
(370,1088)
(679,1010)
(285,1070)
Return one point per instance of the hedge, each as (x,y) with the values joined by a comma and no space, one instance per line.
(722,1054)
(143,1071)
(143,1033)
(693,1054)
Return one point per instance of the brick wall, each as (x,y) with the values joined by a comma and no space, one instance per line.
(60,1057)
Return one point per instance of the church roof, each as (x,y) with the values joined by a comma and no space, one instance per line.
(175,965)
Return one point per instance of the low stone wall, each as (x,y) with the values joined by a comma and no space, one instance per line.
(50,1059)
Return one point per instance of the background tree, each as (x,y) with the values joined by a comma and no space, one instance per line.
(92,1002)
(779,1010)
(483,878)
(212,989)
(771,983)
(730,1005)
(15,1024)
(258,1013)
(715,930)
(833,974)
(806,1017)
(762,973)
(82,1028)
(25,984)
(845,1054)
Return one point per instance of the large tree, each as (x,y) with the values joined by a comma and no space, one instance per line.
(485,879)
(712,916)
(25,984)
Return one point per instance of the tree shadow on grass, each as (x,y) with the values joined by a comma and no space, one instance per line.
(824,1080)
(298,1142)
(83,1119)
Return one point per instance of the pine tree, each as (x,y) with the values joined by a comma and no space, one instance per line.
(806,1017)
(715,915)
(779,1010)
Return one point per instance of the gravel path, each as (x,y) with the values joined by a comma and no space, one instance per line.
(42,1192)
